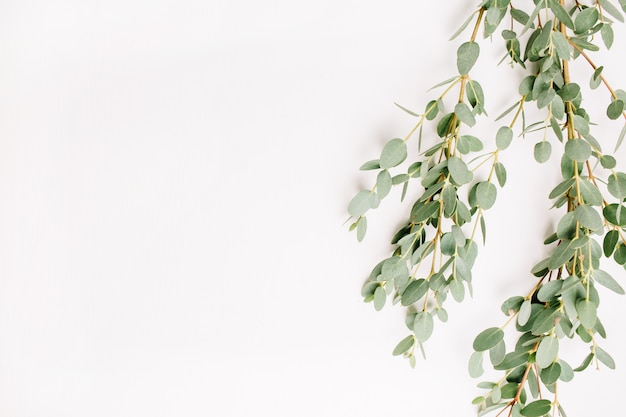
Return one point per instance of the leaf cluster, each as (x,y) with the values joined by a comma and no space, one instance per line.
(436,248)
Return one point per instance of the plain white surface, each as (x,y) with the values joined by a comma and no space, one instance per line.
(174,176)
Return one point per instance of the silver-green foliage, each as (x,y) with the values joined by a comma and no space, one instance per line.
(436,247)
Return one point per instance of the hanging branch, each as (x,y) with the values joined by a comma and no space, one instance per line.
(436,248)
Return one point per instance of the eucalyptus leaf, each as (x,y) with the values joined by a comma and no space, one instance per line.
(459,171)
(577,150)
(404,345)
(475,365)
(393,154)
(467,54)
(587,313)
(547,351)
(383,183)
(543,150)
(537,408)
(423,326)
(617,185)
(605,358)
(487,339)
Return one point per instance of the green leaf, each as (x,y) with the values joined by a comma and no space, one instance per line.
(475,365)
(457,290)
(520,16)
(464,114)
(569,92)
(449,200)
(577,150)
(608,162)
(404,345)
(432,109)
(586,19)
(425,211)
(615,109)
(533,15)
(380,297)
(511,305)
(581,125)
(383,183)
(587,313)
(463,26)
(562,188)
(610,241)
(504,137)
(512,360)
(486,194)
(370,165)
(551,374)
(537,408)
(605,358)
(542,151)
(549,290)
(556,128)
(497,353)
(604,279)
(615,214)
(414,292)
(566,228)
(561,14)
(487,339)
(459,171)
(546,321)
(620,254)
(607,35)
(596,80)
(617,185)
(412,113)
(423,326)
(475,94)
(446,125)
(561,45)
(400,178)
(547,351)
(562,254)
(466,57)
(585,363)
(363,201)
(567,373)
(393,154)
(361,228)
(612,10)
(588,217)
(590,193)
(524,312)
(500,173)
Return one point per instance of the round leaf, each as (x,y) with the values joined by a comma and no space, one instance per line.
(423,326)
(504,137)
(466,57)
(361,202)
(542,151)
(393,154)
(617,185)
(577,150)
(547,351)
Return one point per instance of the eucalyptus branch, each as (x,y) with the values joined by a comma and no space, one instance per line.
(433,256)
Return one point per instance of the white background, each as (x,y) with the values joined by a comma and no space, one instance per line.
(174,177)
